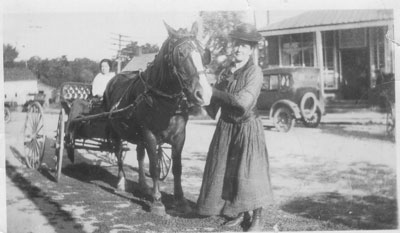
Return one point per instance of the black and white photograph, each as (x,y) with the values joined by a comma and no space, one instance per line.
(199,116)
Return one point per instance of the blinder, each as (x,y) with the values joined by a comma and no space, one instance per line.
(175,45)
(206,57)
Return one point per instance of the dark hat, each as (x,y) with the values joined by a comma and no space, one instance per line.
(246,32)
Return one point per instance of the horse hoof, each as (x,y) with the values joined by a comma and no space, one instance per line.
(158,209)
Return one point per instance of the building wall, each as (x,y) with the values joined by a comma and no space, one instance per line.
(18,90)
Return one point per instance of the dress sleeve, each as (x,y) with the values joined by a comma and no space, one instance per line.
(246,97)
(243,99)
(96,86)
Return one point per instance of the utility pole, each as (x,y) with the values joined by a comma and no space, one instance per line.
(120,43)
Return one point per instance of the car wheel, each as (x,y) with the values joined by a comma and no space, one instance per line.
(314,120)
(308,105)
(283,119)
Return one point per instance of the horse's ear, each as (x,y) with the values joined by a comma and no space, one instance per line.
(171,31)
(195,29)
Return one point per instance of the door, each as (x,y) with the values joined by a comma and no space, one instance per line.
(355,73)
(269,93)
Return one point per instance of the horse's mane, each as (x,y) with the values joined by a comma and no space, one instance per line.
(158,70)
(158,73)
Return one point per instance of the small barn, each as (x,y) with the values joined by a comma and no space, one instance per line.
(19,85)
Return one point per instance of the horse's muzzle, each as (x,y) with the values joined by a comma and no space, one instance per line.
(203,94)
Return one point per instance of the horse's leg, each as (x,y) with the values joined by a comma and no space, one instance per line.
(150,142)
(180,202)
(121,185)
(142,178)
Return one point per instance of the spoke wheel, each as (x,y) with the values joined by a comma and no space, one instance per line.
(164,155)
(283,119)
(60,143)
(34,137)
(7,114)
(164,161)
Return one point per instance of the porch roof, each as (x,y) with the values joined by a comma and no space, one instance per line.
(324,20)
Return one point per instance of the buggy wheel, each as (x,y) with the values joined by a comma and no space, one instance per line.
(283,119)
(164,154)
(34,137)
(7,114)
(164,162)
(60,143)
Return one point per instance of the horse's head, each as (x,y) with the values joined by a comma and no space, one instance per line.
(186,59)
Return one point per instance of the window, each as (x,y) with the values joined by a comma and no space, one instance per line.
(273,82)
(285,81)
(379,50)
(298,49)
(272,51)
(265,85)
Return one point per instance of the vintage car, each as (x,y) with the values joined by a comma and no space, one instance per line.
(39,97)
(289,94)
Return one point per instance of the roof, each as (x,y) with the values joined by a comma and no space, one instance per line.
(139,62)
(18,74)
(324,18)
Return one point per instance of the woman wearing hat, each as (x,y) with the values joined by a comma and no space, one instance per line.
(236,177)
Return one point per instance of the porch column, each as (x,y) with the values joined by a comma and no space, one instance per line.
(320,64)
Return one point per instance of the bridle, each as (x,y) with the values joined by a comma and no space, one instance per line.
(180,96)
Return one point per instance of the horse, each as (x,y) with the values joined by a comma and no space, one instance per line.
(162,96)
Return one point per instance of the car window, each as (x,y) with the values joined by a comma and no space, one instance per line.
(265,85)
(273,82)
(285,81)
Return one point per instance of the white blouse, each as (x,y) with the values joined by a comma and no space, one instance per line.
(100,82)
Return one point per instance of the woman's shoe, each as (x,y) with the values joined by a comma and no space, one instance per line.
(236,221)
(256,223)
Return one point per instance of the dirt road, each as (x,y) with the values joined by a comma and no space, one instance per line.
(335,177)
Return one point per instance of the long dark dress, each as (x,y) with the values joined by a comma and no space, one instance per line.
(236,175)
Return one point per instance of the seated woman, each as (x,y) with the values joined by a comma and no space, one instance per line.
(94,104)
(101,80)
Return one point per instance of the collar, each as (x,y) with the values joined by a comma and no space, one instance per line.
(249,63)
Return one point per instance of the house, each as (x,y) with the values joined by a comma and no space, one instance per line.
(19,85)
(349,46)
(139,62)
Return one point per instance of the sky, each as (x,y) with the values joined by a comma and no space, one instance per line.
(90,29)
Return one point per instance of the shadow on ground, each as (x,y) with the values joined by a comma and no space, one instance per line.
(49,208)
(357,212)
(358,131)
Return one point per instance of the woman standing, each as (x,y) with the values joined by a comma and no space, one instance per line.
(236,176)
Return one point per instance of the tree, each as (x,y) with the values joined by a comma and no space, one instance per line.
(216,26)
(10,53)
(33,65)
